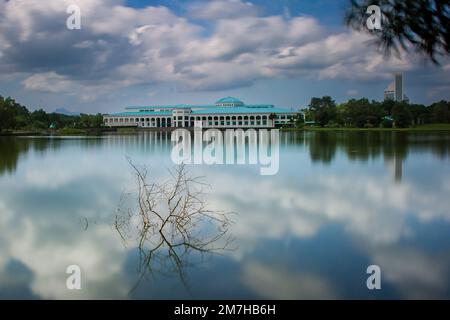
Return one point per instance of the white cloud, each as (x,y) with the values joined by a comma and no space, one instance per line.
(375,213)
(373,210)
(417,275)
(97,252)
(221,9)
(275,282)
(48,82)
(120,46)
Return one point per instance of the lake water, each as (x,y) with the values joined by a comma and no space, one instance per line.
(339,203)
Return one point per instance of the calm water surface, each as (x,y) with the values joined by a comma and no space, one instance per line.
(339,203)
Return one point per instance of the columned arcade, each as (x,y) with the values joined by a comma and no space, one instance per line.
(228,112)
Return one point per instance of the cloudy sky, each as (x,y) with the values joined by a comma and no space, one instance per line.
(141,52)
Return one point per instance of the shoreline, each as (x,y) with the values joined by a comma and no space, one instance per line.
(443,127)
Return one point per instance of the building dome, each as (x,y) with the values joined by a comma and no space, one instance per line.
(229,102)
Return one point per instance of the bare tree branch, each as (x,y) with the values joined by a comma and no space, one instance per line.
(171,222)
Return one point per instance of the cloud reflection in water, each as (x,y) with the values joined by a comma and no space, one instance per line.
(402,226)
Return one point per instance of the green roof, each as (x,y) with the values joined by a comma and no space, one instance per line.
(194,106)
(177,106)
(240,110)
(229,100)
(218,108)
(212,110)
(141,113)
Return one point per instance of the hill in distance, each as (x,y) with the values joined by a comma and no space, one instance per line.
(66,112)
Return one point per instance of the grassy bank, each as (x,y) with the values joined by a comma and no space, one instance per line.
(425,127)
(98,131)
(127,130)
(80,132)
(59,132)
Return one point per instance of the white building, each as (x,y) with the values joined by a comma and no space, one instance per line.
(228,112)
(395,89)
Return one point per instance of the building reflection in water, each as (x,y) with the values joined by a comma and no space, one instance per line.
(395,165)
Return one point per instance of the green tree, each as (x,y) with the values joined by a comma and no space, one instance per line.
(299,119)
(420,114)
(15,116)
(387,106)
(20,113)
(362,113)
(441,112)
(40,119)
(7,119)
(97,120)
(85,121)
(421,24)
(402,115)
(323,110)
(341,114)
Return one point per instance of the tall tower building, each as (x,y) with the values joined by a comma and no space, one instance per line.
(398,79)
(395,89)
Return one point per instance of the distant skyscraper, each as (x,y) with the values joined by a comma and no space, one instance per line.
(389,93)
(398,86)
(395,90)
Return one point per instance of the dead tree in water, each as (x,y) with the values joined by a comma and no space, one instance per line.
(172,221)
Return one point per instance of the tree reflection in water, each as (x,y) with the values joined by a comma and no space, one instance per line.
(170,223)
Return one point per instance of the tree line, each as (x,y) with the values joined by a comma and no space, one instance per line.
(14,116)
(362,113)
(324,112)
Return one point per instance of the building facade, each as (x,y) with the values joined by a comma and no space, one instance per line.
(228,112)
(395,90)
